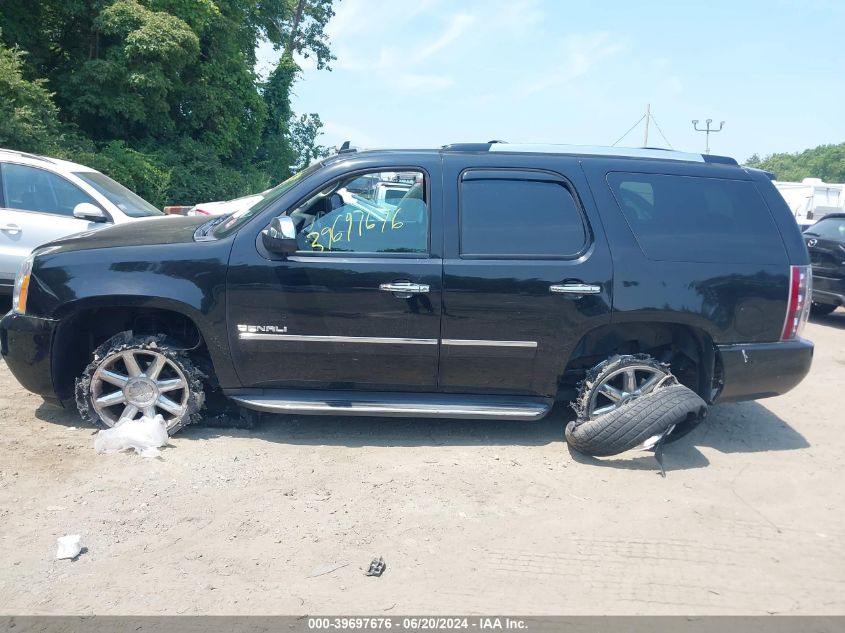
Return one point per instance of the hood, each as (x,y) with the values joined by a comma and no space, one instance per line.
(172,229)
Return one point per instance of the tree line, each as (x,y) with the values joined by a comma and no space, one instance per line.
(825,161)
(162,95)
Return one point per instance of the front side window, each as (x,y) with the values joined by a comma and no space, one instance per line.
(380,212)
(32,189)
(509,217)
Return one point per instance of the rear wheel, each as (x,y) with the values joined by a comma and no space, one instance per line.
(135,376)
(616,382)
(642,422)
(626,401)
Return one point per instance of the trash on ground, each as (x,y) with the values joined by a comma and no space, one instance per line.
(377,567)
(69,546)
(327,568)
(145,436)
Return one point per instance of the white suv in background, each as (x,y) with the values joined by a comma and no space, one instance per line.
(43,199)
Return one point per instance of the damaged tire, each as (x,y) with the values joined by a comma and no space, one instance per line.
(617,381)
(628,426)
(133,376)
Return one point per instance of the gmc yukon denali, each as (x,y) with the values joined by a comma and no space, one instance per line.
(506,277)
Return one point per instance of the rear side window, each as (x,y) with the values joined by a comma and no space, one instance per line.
(689,218)
(519,218)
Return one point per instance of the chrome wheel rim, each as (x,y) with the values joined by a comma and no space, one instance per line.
(621,386)
(135,383)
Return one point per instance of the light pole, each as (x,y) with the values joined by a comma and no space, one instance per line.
(708,130)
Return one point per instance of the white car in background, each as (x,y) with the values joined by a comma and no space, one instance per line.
(43,199)
(223,207)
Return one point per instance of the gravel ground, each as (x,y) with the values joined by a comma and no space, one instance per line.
(470,517)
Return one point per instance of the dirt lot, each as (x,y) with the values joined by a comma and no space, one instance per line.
(471,517)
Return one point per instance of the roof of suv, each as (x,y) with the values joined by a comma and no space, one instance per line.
(655,153)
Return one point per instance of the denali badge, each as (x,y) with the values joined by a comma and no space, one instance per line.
(270,329)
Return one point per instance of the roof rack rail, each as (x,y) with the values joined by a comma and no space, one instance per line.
(27,155)
(589,150)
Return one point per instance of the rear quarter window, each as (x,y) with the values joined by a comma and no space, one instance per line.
(691,218)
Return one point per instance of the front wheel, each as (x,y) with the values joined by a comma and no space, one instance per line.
(134,376)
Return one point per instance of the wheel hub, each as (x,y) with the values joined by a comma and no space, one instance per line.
(622,386)
(141,392)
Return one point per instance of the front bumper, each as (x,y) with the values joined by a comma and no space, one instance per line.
(762,370)
(25,344)
(828,290)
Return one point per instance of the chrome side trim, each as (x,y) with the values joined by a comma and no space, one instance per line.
(336,404)
(258,336)
(461,342)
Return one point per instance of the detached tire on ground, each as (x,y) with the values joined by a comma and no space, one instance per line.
(133,376)
(635,422)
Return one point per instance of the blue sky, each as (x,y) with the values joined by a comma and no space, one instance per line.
(422,73)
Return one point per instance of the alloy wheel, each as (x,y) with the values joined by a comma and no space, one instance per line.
(622,386)
(133,383)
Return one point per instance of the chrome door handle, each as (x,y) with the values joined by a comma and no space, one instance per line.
(10,228)
(404,289)
(575,289)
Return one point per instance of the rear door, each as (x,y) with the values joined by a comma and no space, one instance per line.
(527,272)
(36,207)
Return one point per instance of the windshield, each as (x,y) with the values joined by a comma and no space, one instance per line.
(241,217)
(127,201)
(828,228)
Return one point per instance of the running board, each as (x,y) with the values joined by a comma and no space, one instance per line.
(397,405)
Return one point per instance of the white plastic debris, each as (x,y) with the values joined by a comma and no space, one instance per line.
(68,546)
(145,436)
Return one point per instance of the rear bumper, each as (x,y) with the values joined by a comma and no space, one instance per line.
(25,344)
(762,370)
(828,290)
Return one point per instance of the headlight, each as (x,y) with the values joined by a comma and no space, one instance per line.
(22,286)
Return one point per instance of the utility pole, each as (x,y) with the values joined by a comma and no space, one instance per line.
(647,119)
(708,130)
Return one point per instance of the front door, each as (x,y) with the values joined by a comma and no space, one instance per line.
(358,306)
(526,272)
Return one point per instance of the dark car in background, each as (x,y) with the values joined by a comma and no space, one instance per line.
(826,245)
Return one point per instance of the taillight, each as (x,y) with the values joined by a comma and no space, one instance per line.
(798,308)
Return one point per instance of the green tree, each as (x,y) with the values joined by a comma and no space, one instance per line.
(28,117)
(161,94)
(825,161)
(303,137)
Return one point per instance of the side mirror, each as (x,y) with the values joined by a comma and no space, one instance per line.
(280,236)
(90,212)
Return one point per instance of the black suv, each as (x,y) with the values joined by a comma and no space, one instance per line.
(502,277)
(826,243)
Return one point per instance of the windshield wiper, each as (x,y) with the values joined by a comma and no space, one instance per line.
(204,230)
